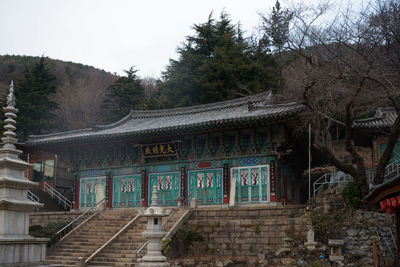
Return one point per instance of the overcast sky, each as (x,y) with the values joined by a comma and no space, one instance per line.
(113,34)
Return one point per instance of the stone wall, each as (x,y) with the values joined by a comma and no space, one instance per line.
(361,230)
(243,231)
(43,218)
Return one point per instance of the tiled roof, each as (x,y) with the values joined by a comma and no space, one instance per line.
(388,183)
(384,117)
(250,109)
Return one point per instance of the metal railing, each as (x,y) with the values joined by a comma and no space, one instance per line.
(392,170)
(181,204)
(31,196)
(340,178)
(71,226)
(61,199)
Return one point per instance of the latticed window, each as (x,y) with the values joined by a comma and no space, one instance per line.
(252,183)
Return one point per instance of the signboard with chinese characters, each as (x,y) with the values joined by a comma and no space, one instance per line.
(159,150)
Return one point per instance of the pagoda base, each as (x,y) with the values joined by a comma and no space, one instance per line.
(154,264)
(22,251)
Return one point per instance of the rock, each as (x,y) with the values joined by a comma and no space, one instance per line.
(302,263)
(352,232)
(288,261)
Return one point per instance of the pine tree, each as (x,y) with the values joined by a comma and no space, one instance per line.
(125,94)
(215,64)
(276,27)
(275,33)
(33,93)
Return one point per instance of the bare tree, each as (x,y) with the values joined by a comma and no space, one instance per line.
(344,68)
(150,86)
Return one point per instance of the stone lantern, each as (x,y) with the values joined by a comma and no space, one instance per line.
(154,234)
(336,250)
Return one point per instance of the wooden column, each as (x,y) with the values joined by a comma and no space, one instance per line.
(109,190)
(76,193)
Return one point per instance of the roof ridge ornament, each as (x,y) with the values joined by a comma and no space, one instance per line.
(10,137)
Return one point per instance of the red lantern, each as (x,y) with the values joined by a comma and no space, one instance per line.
(390,210)
(388,203)
(394,202)
(398,199)
(383,205)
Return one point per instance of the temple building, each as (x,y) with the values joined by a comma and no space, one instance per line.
(187,153)
(373,132)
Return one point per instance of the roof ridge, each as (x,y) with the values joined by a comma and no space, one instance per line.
(36,136)
(206,107)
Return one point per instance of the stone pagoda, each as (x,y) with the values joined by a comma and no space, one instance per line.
(17,247)
(154,235)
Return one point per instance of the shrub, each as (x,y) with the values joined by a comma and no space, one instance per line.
(352,195)
(47,231)
(327,225)
(189,236)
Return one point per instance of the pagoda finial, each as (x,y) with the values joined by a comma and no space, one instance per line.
(9,138)
(10,96)
(154,197)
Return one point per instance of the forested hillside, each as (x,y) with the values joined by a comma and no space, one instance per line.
(80,89)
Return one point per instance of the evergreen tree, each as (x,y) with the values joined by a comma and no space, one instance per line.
(275,32)
(276,27)
(125,94)
(215,64)
(33,93)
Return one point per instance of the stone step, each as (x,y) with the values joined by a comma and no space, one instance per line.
(105,263)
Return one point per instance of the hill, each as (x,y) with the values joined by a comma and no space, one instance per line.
(80,88)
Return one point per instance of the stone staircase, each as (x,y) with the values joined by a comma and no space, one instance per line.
(122,250)
(89,237)
(49,203)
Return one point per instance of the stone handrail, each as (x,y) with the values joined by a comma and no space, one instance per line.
(112,238)
(178,223)
(70,227)
(181,205)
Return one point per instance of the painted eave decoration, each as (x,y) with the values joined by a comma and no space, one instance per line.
(232,113)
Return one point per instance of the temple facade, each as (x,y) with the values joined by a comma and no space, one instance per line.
(187,153)
(375,129)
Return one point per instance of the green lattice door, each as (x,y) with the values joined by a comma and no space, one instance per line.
(168,187)
(127,191)
(88,187)
(251,183)
(206,186)
(395,153)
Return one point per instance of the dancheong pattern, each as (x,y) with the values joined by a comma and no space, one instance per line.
(88,190)
(206,186)
(168,185)
(251,183)
(127,190)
